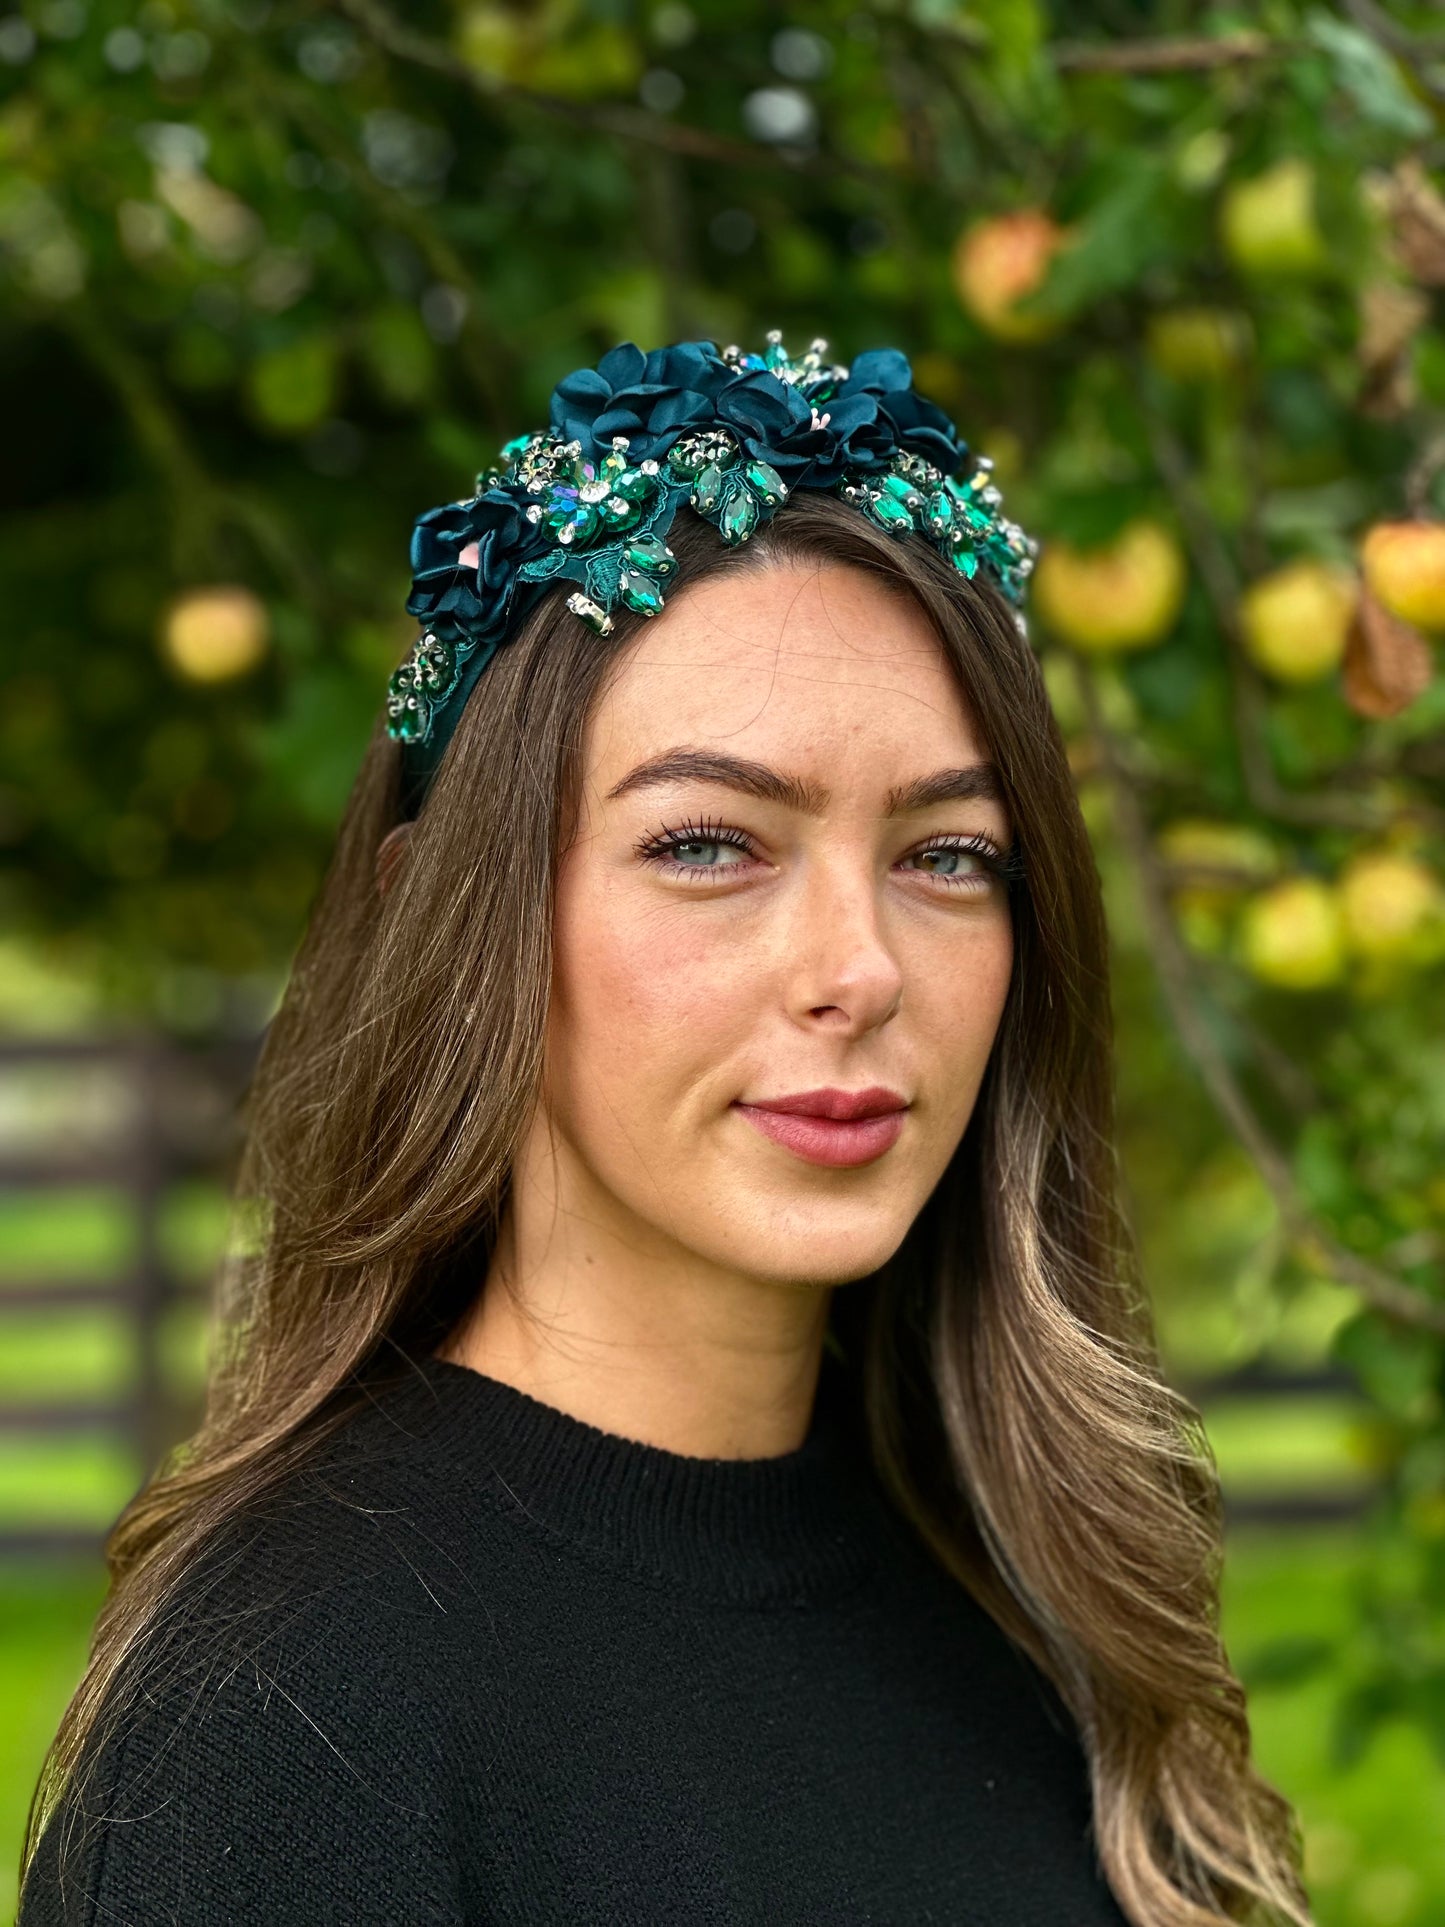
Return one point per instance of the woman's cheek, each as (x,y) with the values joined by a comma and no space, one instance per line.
(631,981)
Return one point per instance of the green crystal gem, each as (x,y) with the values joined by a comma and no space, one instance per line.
(766,480)
(408,716)
(640,591)
(940,512)
(739,516)
(578,517)
(966,561)
(890,514)
(902,490)
(650,552)
(707,489)
(634,485)
(436,666)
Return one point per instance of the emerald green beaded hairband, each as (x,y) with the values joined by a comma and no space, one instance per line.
(592,497)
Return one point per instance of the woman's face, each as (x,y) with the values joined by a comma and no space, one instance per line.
(775,919)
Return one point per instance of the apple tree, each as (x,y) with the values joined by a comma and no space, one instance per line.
(276,277)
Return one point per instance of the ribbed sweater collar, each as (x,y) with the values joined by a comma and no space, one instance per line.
(802,1526)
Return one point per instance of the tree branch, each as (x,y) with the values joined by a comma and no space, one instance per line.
(1394,1297)
(622,121)
(479,353)
(1168,56)
(201,505)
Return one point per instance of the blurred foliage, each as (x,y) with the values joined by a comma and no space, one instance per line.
(277,277)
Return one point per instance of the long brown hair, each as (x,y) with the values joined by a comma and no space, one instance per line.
(1003,1360)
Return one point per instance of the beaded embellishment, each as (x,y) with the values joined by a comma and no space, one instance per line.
(553,507)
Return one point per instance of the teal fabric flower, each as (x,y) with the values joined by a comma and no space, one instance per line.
(730,434)
(649,398)
(464,557)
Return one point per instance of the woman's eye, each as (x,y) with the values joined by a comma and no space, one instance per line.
(968,866)
(971,864)
(678,851)
(696,843)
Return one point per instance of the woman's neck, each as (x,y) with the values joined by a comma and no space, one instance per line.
(724,1373)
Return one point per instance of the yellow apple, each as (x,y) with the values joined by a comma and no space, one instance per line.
(214,633)
(1124,595)
(492,42)
(1292,935)
(1268,225)
(1404,564)
(1235,847)
(1295,622)
(1203,906)
(1196,344)
(1385,898)
(1214,864)
(1001,258)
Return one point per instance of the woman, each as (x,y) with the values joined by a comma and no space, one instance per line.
(687,1442)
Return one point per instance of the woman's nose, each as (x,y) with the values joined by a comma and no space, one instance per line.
(843,955)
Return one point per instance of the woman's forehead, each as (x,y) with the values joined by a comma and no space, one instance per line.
(819,662)
(787,603)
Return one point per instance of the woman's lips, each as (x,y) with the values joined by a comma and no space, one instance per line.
(821,1140)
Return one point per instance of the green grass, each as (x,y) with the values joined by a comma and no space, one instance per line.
(91,1231)
(48,1616)
(81,1482)
(85,1231)
(90,1355)
(1375,1834)
(1295,1443)
(86,1355)
(80,1478)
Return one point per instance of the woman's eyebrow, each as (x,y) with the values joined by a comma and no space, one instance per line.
(969,783)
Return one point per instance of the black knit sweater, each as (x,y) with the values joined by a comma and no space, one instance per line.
(484,1662)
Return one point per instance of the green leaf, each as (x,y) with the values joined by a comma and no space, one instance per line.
(1321,1168)
(1132,226)
(1365,71)
(1015,32)
(1398,1369)
(294,387)
(399,354)
(313,747)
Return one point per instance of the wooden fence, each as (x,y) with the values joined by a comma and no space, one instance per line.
(176,1119)
(177,1106)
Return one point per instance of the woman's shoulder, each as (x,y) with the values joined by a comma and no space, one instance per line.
(350,1554)
(273,1749)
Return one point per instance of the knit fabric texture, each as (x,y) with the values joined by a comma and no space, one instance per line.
(485,1662)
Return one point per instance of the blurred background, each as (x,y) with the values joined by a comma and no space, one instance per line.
(276,277)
